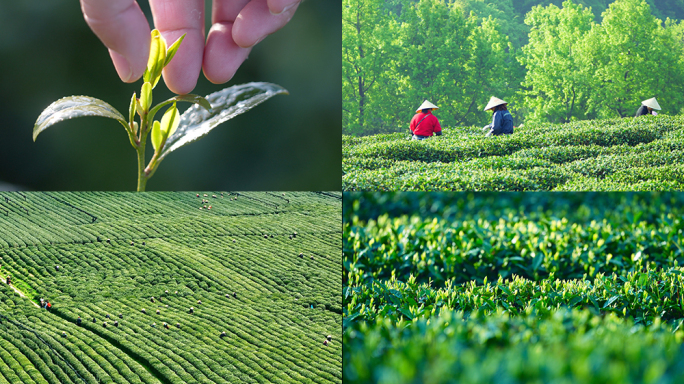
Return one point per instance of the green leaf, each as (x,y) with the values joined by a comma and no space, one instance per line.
(575,300)
(611,301)
(170,121)
(131,109)
(406,313)
(75,106)
(537,261)
(225,104)
(155,62)
(197,99)
(171,52)
(146,96)
(156,135)
(349,319)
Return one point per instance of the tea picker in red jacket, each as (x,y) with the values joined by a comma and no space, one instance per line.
(424,124)
(647,107)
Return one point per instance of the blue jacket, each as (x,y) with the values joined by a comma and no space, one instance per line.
(502,123)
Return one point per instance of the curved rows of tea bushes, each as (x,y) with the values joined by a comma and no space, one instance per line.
(237,265)
(629,154)
(484,288)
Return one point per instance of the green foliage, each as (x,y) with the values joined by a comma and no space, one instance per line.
(617,154)
(179,252)
(513,287)
(559,85)
(633,57)
(563,64)
(567,346)
(533,247)
(432,51)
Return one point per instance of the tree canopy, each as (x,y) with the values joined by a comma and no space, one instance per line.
(556,62)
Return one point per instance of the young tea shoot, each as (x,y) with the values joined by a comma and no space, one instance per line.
(174,130)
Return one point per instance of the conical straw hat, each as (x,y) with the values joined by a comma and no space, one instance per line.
(652,103)
(493,102)
(426,105)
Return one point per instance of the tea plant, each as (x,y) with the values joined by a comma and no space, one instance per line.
(173,130)
(514,287)
(619,154)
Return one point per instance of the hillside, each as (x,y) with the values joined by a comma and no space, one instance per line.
(630,154)
(531,288)
(105,256)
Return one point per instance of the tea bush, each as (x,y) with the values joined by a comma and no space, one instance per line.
(538,158)
(513,287)
(115,251)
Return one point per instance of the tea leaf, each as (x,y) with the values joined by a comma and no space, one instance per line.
(537,261)
(146,96)
(155,62)
(170,121)
(171,52)
(225,104)
(197,99)
(75,106)
(131,109)
(156,135)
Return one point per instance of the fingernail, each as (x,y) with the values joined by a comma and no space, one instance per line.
(123,67)
(287,8)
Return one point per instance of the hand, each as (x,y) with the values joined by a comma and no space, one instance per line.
(237,25)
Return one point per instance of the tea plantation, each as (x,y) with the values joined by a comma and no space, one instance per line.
(171,287)
(631,154)
(513,288)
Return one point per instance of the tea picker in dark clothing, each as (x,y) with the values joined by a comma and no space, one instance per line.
(647,107)
(502,120)
(424,123)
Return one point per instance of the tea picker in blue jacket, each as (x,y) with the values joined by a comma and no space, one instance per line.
(502,120)
(647,107)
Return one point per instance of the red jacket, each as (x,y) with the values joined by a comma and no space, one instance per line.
(427,126)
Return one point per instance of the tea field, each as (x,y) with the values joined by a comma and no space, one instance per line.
(172,287)
(631,154)
(513,288)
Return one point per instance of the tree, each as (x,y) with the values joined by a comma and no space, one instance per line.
(362,59)
(510,22)
(559,85)
(452,61)
(492,70)
(633,57)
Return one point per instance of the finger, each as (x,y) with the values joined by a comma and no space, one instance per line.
(123,29)
(222,57)
(256,21)
(279,6)
(174,18)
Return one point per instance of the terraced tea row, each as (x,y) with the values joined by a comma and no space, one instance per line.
(619,154)
(187,295)
(45,217)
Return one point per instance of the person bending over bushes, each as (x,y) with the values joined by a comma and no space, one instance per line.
(424,123)
(502,120)
(647,107)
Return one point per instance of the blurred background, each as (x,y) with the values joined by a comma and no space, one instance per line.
(289,142)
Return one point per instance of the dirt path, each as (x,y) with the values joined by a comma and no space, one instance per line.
(4,281)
